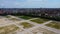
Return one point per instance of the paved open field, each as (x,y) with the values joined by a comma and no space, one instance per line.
(28,25)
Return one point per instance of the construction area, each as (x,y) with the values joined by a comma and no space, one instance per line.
(28,25)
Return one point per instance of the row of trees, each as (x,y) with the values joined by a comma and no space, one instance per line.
(51,13)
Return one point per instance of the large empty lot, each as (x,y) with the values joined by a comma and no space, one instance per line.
(28,25)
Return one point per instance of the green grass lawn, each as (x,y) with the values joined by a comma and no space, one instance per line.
(39,20)
(25,17)
(14,19)
(8,29)
(54,25)
(26,25)
(7,16)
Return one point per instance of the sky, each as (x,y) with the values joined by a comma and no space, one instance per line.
(29,3)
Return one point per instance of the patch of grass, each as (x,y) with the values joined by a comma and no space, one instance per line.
(14,19)
(7,16)
(26,25)
(54,25)
(39,21)
(25,17)
(8,29)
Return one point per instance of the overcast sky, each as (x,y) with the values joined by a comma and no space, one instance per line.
(29,3)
